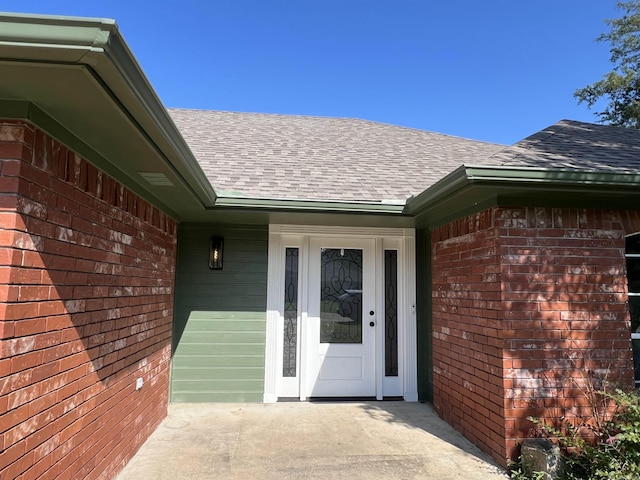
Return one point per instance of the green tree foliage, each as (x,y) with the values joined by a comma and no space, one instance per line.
(621,86)
(613,452)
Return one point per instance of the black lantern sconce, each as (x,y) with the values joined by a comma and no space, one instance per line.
(215,253)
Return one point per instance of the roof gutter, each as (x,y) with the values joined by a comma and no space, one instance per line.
(554,176)
(91,41)
(74,35)
(479,183)
(390,208)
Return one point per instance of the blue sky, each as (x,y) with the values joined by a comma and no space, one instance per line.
(494,70)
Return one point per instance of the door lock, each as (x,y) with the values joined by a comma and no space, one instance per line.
(372,324)
(371,313)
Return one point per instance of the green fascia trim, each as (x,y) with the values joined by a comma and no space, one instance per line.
(472,188)
(97,44)
(55,29)
(311,205)
(551,176)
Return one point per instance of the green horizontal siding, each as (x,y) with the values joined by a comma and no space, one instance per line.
(202,321)
(223,376)
(213,361)
(204,350)
(219,278)
(232,300)
(237,396)
(222,338)
(220,385)
(219,327)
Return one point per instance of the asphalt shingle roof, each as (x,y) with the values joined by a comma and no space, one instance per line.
(317,158)
(574,145)
(287,157)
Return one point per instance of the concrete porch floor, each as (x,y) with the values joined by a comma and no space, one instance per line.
(350,440)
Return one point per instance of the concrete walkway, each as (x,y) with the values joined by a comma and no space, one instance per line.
(363,440)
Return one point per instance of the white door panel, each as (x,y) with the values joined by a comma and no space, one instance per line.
(340,341)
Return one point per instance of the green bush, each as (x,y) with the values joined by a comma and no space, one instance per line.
(517,471)
(613,453)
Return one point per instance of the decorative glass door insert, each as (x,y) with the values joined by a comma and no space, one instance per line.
(341,295)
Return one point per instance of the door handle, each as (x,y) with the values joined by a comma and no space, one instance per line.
(372,324)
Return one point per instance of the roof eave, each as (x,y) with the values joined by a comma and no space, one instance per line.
(125,67)
(438,191)
(471,188)
(96,44)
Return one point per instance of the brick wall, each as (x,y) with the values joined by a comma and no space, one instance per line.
(86,293)
(566,323)
(467,317)
(558,324)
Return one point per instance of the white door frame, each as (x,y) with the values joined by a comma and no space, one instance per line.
(284,236)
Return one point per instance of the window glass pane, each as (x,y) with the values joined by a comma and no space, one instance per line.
(634,310)
(632,247)
(632,244)
(391,313)
(290,339)
(636,360)
(341,295)
(633,274)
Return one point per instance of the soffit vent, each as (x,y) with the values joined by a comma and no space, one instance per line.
(157,179)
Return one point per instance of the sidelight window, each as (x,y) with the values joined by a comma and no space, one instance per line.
(632,254)
(290,339)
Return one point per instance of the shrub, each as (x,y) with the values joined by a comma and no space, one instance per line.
(605,448)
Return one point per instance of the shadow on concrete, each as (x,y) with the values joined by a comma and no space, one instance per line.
(421,416)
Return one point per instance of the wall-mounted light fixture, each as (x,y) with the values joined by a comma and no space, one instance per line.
(215,253)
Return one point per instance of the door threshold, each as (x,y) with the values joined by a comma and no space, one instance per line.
(341,399)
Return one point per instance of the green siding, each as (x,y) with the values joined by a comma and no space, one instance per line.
(219,325)
(423,315)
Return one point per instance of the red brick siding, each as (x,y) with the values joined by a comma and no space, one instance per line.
(566,323)
(86,297)
(467,348)
(542,293)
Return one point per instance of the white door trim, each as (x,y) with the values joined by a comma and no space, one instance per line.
(283,236)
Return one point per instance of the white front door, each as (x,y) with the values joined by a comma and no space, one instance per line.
(340,313)
(339,338)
